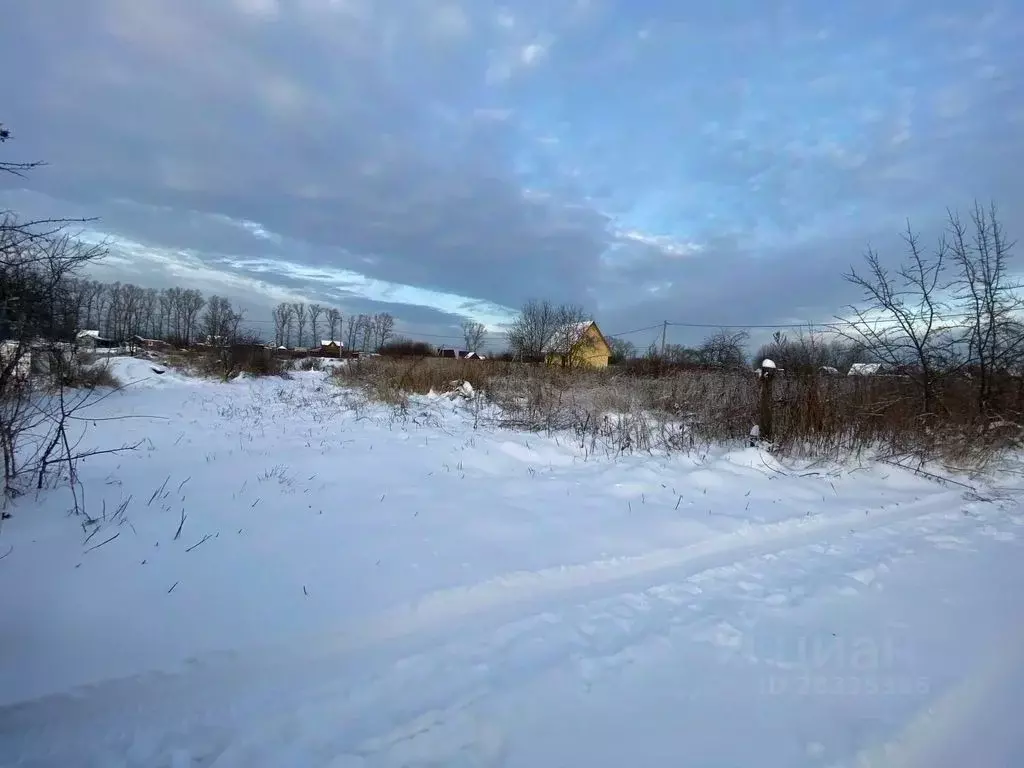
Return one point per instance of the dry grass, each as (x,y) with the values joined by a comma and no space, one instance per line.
(612,411)
(92,377)
(222,364)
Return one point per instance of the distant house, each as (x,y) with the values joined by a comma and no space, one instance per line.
(865,369)
(155,345)
(331,348)
(458,354)
(91,339)
(578,345)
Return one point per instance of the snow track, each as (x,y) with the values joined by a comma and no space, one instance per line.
(399,690)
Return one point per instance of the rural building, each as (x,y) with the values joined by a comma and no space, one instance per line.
(579,345)
(458,354)
(331,348)
(153,345)
(90,340)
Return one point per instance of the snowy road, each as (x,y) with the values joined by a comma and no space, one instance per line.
(883,635)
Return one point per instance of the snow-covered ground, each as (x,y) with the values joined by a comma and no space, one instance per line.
(354,588)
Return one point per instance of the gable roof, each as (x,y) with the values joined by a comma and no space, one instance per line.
(328,342)
(572,335)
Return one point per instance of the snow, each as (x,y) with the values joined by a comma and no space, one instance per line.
(864,369)
(356,586)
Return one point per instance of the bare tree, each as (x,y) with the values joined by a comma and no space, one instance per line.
(38,319)
(166,312)
(473,334)
(14,168)
(315,310)
(533,329)
(900,321)
(151,314)
(988,296)
(570,342)
(622,350)
(383,329)
(333,323)
(299,313)
(366,332)
(192,305)
(724,348)
(350,331)
(282,324)
(220,322)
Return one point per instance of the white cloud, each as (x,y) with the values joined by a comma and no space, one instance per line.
(259,279)
(532,53)
(667,246)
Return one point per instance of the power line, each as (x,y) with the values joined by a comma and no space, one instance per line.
(677,324)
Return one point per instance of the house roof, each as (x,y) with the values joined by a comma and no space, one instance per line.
(569,335)
(328,342)
(88,335)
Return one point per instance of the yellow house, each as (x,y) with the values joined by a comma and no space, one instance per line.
(578,345)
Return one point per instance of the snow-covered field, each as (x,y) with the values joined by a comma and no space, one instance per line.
(354,588)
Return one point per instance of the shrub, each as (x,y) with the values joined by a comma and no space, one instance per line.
(92,377)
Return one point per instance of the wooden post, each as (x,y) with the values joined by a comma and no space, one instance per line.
(764,418)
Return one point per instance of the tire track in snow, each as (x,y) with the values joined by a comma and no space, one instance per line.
(524,592)
(352,684)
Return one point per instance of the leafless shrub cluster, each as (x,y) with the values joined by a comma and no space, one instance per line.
(947,320)
(610,410)
(44,391)
(601,408)
(225,359)
(543,330)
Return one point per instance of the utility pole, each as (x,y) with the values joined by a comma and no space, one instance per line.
(664,328)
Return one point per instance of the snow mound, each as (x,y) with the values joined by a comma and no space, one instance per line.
(136,372)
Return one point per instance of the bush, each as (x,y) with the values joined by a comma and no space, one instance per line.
(91,377)
(227,362)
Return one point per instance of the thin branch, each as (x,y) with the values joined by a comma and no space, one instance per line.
(107,541)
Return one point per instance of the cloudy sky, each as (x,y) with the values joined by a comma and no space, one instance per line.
(717,163)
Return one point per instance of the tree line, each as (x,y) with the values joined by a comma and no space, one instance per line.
(364,332)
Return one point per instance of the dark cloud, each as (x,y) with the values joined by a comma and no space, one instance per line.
(718,164)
